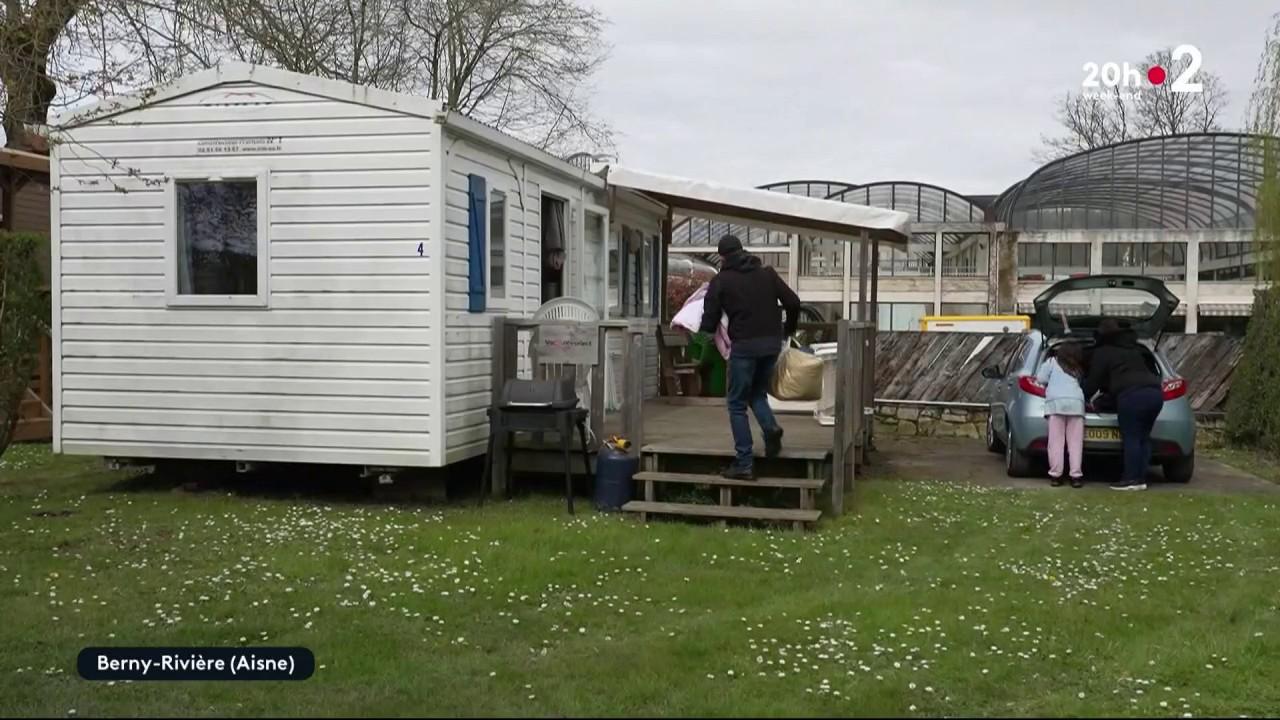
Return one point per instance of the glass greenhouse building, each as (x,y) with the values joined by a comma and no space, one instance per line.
(1177,207)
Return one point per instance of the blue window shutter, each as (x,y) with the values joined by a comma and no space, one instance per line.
(477,194)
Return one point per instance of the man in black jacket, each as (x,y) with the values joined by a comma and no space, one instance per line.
(754,297)
(1124,370)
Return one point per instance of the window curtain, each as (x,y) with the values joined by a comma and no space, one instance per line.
(477,209)
(553,229)
(182,239)
(553,249)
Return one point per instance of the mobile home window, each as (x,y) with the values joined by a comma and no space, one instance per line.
(497,244)
(218,241)
(656,281)
(614,301)
(477,235)
(634,268)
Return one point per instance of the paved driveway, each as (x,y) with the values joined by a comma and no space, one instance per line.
(968,461)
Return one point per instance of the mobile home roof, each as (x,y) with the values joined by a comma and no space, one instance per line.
(234,72)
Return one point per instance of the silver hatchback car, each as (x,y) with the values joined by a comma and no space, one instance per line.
(1069,311)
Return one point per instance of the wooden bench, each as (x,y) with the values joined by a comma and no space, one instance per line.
(680,374)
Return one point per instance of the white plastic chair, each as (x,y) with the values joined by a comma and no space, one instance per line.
(567,308)
(575,310)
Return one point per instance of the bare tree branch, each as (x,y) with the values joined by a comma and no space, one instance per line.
(1095,120)
(522,66)
(1161,111)
(27,37)
(1091,121)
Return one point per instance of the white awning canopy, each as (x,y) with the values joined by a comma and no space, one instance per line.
(826,218)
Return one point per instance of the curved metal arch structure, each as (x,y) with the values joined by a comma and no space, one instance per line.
(925,203)
(809,188)
(1171,182)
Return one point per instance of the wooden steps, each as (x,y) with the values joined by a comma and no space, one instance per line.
(726,510)
(697,479)
(739,512)
(788,453)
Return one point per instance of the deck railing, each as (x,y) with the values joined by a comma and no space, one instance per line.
(855,390)
(612,386)
(616,391)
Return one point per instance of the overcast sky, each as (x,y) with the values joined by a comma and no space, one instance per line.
(952,93)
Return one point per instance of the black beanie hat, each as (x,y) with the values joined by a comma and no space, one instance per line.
(729,244)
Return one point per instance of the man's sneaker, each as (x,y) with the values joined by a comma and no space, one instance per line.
(1128,486)
(773,443)
(737,472)
(1121,485)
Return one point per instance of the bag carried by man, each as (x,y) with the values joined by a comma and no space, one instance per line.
(798,376)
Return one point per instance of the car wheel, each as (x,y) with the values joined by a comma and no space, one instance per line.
(1180,470)
(1016,463)
(994,443)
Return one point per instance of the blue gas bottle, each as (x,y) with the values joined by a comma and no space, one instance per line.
(615,470)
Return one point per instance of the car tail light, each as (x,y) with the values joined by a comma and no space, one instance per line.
(1039,444)
(1031,386)
(1174,388)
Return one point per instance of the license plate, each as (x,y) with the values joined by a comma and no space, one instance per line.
(1101,434)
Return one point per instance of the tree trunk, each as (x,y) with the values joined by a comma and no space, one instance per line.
(25,45)
(30,93)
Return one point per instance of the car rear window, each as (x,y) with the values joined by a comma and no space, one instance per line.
(1166,369)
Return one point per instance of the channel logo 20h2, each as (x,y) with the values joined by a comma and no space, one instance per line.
(1124,75)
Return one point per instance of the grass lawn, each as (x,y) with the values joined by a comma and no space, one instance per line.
(931,600)
(1256,462)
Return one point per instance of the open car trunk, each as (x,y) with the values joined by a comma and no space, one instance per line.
(1075,307)
(1071,310)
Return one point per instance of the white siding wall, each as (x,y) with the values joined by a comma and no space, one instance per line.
(647,218)
(339,367)
(469,336)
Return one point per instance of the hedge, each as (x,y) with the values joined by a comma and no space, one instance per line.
(24,319)
(1253,409)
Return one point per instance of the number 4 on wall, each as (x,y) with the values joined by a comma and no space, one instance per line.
(419,249)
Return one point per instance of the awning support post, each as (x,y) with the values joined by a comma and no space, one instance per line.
(864,260)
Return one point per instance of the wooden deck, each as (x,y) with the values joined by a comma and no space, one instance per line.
(703,429)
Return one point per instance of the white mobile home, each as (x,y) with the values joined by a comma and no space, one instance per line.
(255,265)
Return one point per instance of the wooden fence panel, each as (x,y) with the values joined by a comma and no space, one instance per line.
(35,413)
(947,367)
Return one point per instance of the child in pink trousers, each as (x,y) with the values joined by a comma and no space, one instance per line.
(1064,407)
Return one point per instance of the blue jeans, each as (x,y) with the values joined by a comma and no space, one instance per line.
(749,386)
(1137,409)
